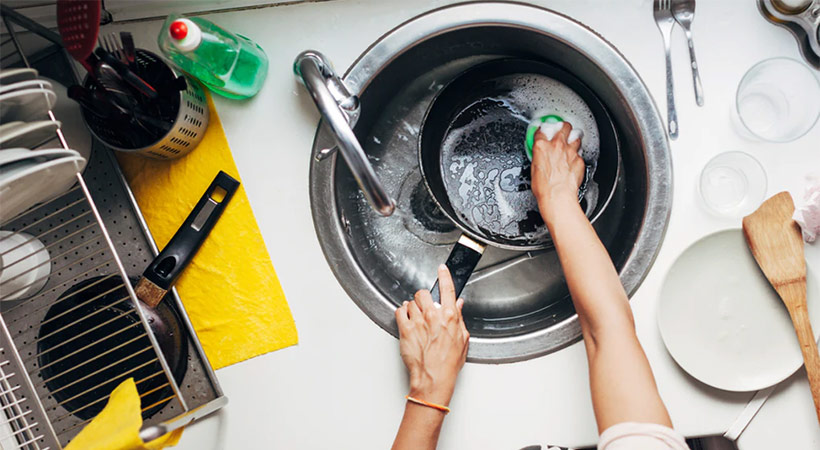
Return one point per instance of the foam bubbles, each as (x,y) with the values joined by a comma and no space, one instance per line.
(485,169)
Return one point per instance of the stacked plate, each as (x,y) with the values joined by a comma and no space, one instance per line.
(29,177)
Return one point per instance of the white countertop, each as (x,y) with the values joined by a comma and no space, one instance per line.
(343,385)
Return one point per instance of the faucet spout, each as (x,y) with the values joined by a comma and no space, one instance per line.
(340,110)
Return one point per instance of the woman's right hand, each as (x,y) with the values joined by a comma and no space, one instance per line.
(433,341)
(557,170)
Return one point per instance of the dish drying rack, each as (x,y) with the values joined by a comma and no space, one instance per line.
(94,235)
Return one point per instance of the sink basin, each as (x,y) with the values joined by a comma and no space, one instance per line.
(517,304)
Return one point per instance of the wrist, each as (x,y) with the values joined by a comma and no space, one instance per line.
(557,206)
(430,391)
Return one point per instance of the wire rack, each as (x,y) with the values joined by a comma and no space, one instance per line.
(75,330)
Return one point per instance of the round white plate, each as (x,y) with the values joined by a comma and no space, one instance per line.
(27,84)
(722,321)
(11,76)
(26,104)
(26,187)
(28,134)
(23,265)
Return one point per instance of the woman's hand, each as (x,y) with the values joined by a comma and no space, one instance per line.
(557,170)
(433,341)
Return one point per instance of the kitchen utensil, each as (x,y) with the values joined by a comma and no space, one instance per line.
(24,265)
(78,365)
(129,50)
(11,76)
(125,73)
(186,111)
(777,246)
(178,253)
(24,187)
(732,184)
(684,12)
(111,43)
(778,100)
(721,321)
(470,122)
(28,134)
(28,84)
(121,112)
(665,21)
(801,19)
(26,104)
(79,23)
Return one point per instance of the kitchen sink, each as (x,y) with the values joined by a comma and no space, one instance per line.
(517,305)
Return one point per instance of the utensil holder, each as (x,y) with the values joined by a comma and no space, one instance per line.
(187,111)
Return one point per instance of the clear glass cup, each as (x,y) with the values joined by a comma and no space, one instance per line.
(778,100)
(733,184)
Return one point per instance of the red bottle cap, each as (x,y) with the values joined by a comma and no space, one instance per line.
(178,30)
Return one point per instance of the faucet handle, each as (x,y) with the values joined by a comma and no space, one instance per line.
(348,102)
(340,110)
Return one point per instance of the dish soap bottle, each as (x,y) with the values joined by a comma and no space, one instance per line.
(229,64)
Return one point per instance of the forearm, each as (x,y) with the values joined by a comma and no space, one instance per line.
(420,428)
(593,281)
(621,381)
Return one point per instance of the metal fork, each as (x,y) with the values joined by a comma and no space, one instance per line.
(665,22)
(111,43)
(684,12)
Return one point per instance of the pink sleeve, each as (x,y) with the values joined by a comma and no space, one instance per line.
(641,436)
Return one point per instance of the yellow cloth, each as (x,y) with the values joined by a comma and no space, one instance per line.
(230,290)
(117,426)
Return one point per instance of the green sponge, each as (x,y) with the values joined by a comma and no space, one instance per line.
(533,127)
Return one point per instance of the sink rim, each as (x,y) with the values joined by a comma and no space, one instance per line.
(326,214)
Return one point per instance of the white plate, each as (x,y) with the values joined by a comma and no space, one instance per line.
(25,187)
(23,265)
(26,104)
(54,153)
(721,320)
(28,134)
(74,129)
(11,155)
(11,76)
(27,84)
(17,156)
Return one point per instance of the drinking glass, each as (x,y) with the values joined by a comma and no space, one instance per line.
(778,100)
(733,184)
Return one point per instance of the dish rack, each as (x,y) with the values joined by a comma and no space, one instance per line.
(65,347)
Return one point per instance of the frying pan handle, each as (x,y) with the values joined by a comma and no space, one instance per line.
(340,110)
(461,262)
(179,251)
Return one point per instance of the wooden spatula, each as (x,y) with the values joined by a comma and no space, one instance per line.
(777,246)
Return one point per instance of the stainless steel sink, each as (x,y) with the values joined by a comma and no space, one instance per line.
(517,305)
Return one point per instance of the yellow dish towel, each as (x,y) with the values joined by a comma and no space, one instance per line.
(117,426)
(230,290)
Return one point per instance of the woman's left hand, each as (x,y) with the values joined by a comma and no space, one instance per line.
(433,341)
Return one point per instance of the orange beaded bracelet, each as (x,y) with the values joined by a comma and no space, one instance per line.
(441,408)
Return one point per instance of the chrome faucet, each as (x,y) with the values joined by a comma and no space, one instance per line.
(340,110)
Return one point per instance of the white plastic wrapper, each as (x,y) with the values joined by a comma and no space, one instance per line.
(808,214)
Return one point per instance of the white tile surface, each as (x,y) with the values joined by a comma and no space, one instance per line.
(343,385)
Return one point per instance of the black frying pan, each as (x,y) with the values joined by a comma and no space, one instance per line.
(91,339)
(473,97)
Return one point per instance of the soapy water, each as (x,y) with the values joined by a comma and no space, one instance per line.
(485,169)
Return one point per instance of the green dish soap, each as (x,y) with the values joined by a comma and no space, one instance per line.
(229,64)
